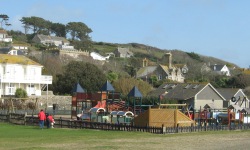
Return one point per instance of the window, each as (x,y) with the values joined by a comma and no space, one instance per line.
(11,89)
(160,77)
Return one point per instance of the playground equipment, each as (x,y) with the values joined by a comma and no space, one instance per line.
(162,115)
(80,101)
(121,117)
(97,115)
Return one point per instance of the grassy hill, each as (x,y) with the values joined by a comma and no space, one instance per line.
(155,54)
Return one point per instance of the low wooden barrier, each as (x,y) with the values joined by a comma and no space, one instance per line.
(23,119)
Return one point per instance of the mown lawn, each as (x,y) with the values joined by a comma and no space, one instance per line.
(33,138)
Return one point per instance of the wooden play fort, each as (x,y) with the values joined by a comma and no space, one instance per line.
(164,116)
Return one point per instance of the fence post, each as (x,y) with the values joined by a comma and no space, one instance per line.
(60,122)
(163,129)
(177,128)
(24,118)
(9,116)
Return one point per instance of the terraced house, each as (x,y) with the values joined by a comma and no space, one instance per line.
(21,72)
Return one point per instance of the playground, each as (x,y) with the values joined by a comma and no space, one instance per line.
(106,106)
(106,109)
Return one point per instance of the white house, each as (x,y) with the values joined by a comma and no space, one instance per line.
(221,69)
(4,36)
(97,56)
(21,72)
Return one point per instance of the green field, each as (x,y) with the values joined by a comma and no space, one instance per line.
(33,138)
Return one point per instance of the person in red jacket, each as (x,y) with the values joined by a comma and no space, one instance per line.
(50,121)
(41,117)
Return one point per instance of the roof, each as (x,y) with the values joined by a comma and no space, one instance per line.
(183,91)
(180,91)
(5,50)
(228,93)
(54,38)
(107,87)
(216,67)
(17,59)
(124,51)
(134,92)
(78,89)
(145,71)
(3,32)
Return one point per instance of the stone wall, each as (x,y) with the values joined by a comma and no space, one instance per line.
(64,102)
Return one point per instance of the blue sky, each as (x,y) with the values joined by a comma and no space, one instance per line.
(217,28)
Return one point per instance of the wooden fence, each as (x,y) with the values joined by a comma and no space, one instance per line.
(22,119)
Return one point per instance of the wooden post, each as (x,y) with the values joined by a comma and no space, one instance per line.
(229,119)
(175,118)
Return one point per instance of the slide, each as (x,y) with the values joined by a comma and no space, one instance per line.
(101,104)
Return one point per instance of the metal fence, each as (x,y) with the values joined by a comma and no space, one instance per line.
(23,119)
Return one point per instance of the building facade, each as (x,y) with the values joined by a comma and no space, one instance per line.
(21,72)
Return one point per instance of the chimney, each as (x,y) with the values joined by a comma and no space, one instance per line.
(215,66)
(144,62)
(169,59)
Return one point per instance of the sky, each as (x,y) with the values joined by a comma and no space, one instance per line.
(216,28)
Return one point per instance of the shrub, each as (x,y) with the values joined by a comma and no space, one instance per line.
(20,93)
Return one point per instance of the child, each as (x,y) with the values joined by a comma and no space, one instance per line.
(51,121)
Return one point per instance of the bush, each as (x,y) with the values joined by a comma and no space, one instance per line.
(20,93)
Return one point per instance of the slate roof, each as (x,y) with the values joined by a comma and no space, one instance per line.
(5,50)
(179,91)
(216,67)
(78,89)
(134,92)
(53,38)
(107,87)
(228,93)
(183,91)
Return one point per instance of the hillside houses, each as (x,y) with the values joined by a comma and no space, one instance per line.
(123,52)
(4,36)
(163,71)
(50,40)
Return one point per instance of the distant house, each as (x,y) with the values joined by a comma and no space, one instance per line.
(10,51)
(220,69)
(97,56)
(20,46)
(166,71)
(17,52)
(51,40)
(196,95)
(123,52)
(240,97)
(21,72)
(4,36)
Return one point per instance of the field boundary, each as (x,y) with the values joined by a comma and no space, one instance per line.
(23,119)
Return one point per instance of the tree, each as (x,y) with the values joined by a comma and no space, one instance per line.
(78,30)
(5,19)
(125,85)
(39,25)
(112,76)
(88,75)
(58,29)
